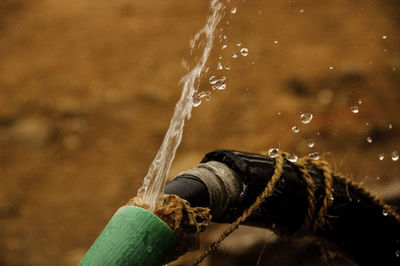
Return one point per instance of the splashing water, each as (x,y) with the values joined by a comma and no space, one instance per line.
(306,118)
(233,10)
(395,155)
(292,158)
(314,156)
(310,143)
(295,129)
(354,109)
(244,51)
(273,153)
(154,182)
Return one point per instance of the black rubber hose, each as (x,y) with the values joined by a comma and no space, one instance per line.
(356,222)
(190,188)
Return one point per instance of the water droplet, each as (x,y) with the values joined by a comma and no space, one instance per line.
(244,51)
(276,41)
(213,80)
(306,118)
(381,156)
(204,94)
(292,158)
(331,197)
(360,101)
(244,192)
(385,212)
(225,37)
(234,55)
(227,67)
(220,87)
(238,44)
(310,143)
(378,178)
(301,10)
(220,84)
(395,155)
(196,101)
(296,129)
(224,46)
(233,10)
(390,126)
(354,109)
(384,37)
(314,156)
(241,196)
(369,139)
(273,226)
(219,66)
(330,67)
(274,152)
(397,253)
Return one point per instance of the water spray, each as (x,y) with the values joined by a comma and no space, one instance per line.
(157,175)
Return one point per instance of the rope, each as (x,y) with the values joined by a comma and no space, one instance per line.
(357,186)
(301,165)
(269,189)
(312,221)
(328,180)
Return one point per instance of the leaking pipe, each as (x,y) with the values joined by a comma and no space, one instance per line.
(133,236)
(228,182)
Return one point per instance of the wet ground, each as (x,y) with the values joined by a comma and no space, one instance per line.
(87,89)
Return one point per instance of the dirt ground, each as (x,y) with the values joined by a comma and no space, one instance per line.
(87,89)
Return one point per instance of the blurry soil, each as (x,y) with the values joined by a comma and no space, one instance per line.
(87,89)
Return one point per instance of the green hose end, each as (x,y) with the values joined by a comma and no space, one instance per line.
(134,236)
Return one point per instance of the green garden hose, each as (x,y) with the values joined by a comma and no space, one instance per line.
(134,236)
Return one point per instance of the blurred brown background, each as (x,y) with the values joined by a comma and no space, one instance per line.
(87,89)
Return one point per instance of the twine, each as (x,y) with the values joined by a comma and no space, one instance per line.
(269,189)
(312,221)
